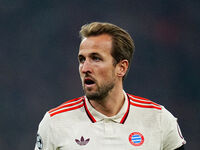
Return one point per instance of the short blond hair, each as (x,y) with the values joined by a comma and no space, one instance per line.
(122,43)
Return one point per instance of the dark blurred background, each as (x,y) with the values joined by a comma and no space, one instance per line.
(39,42)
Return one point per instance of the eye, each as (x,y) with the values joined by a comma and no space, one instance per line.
(96,58)
(81,59)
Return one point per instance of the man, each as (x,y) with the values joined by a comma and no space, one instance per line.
(107,117)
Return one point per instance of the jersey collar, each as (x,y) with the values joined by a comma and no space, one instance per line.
(96,116)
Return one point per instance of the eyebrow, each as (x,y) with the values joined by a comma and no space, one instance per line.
(91,54)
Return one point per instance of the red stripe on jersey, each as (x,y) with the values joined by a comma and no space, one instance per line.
(67,109)
(72,100)
(133,96)
(126,114)
(88,113)
(142,101)
(67,104)
(145,106)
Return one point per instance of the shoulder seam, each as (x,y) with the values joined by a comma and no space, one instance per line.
(67,106)
(143,102)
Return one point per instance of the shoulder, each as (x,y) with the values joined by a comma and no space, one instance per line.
(68,106)
(143,103)
(65,114)
(146,106)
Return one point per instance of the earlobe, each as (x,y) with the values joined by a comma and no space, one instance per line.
(122,68)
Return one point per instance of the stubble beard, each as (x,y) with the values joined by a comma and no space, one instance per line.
(101,91)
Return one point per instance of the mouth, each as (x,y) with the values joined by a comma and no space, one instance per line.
(89,82)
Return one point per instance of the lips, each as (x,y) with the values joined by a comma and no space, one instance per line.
(89,81)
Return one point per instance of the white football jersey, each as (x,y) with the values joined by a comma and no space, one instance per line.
(140,124)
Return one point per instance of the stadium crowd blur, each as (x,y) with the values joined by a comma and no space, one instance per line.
(39,42)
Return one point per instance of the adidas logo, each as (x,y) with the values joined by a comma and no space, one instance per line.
(82,141)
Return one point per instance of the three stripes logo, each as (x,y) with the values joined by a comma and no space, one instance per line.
(136,138)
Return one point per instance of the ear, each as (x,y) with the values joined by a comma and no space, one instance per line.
(122,68)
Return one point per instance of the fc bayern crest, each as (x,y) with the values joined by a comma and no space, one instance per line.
(136,138)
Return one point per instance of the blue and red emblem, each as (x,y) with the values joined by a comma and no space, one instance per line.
(136,138)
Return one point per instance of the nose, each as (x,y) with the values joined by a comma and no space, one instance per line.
(85,67)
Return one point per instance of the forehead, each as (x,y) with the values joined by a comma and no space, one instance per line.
(99,44)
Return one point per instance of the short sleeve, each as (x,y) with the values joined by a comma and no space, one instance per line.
(43,140)
(171,133)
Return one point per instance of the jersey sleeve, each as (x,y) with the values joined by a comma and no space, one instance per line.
(171,133)
(43,140)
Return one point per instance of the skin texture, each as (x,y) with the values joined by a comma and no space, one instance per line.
(96,64)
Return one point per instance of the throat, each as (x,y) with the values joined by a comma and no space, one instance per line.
(109,106)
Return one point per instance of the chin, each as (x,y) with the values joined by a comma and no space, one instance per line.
(90,93)
(95,96)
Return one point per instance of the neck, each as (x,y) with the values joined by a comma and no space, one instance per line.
(112,103)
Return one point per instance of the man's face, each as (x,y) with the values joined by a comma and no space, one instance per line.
(96,67)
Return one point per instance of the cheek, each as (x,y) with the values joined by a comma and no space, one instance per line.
(81,74)
(106,73)
(79,69)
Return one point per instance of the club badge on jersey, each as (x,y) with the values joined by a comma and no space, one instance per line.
(39,143)
(136,138)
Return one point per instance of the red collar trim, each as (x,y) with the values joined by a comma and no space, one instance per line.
(88,112)
(94,120)
(127,112)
